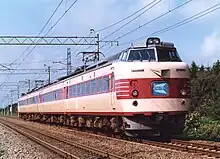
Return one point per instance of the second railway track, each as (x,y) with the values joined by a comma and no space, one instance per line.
(187,146)
(54,143)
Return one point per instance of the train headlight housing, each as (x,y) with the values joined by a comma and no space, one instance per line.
(135,93)
(153,40)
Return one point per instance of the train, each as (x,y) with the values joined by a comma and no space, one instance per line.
(140,91)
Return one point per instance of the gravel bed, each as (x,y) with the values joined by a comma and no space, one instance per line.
(127,149)
(66,147)
(14,145)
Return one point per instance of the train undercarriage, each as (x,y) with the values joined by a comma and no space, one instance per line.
(137,126)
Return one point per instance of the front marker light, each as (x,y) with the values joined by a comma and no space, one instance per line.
(135,93)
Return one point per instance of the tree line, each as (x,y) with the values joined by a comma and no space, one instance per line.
(203,120)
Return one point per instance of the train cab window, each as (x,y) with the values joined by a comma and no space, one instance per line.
(124,56)
(168,54)
(142,54)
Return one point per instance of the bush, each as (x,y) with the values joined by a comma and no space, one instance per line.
(203,120)
(198,127)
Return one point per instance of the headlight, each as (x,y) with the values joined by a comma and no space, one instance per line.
(183,92)
(135,93)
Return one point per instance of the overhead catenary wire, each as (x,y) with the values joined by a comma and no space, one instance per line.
(182,22)
(61,17)
(46,33)
(134,18)
(147,23)
(149,4)
(178,24)
(158,17)
(37,61)
(51,28)
(31,69)
(118,22)
(54,12)
(199,15)
(8,77)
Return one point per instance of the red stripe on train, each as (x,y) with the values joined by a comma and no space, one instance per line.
(144,87)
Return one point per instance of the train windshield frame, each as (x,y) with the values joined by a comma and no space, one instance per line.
(167,55)
(145,54)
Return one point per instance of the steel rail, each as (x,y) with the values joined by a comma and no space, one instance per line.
(206,149)
(77,145)
(47,145)
(186,147)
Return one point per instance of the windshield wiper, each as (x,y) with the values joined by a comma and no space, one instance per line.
(141,57)
(149,59)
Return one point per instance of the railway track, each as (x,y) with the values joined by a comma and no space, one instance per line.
(31,134)
(187,146)
(180,145)
(205,149)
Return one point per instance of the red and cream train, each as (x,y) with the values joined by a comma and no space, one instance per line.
(139,91)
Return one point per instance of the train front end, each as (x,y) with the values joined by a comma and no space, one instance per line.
(152,89)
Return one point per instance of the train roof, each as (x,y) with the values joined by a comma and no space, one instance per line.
(81,70)
(109,60)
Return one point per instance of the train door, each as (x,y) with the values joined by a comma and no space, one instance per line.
(38,101)
(65,102)
(112,88)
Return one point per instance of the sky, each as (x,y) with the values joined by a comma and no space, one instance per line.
(197,41)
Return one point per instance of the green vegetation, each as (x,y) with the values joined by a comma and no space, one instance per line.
(203,120)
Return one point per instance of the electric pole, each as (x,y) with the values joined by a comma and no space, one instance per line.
(10,108)
(98,47)
(29,85)
(69,67)
(95,55)
(49,74)
(18,92)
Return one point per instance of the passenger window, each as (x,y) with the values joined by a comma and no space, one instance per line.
(78,90)
(88,87)
(100,85)
(82,89)
(106,84)
(70,92)
(93,88)
(58,94)
(74,91)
